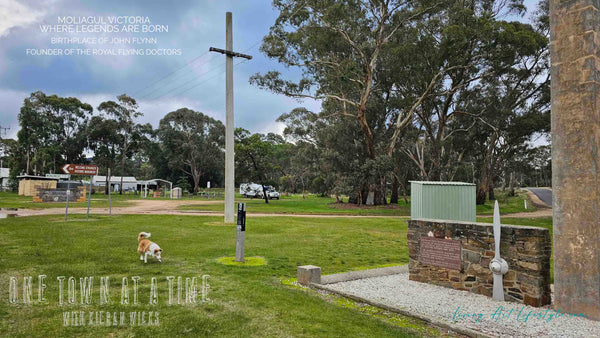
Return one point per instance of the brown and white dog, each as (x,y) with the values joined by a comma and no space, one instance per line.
(147,248)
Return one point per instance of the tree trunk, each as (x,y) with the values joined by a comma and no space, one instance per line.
(491,195)
(404,193)
(381,193)
(106,185)
(196,179)
(481,195)
(394,195)
(377,191)
(483,187)
(511,186)
(122,174)
(265,195)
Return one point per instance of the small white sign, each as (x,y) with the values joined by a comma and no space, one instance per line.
(208,184)
(66,176)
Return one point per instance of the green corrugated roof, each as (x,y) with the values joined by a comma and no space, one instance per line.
(440,183)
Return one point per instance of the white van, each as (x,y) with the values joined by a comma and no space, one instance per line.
(251,190)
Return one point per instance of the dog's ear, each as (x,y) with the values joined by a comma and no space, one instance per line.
(157,250)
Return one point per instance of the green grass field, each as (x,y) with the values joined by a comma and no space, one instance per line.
(246,301)
(507,204)
(12,200)
(311,204)
(308,205)
(99,200)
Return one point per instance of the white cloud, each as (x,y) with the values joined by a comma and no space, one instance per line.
(14,14)
(9,114)
(272,127)
(153,110)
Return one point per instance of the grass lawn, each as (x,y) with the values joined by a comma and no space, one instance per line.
(12,200)
(310,204)
(507,204)
(246,301)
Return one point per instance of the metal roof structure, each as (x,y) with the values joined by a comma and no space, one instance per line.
(440,183)
(32,177)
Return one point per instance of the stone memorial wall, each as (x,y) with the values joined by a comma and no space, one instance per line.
(78,194)
(457,255)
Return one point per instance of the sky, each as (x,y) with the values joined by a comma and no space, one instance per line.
(192,77)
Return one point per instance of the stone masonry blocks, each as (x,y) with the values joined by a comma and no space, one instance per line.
(526,249)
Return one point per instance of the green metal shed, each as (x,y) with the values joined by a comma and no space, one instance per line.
(442,200)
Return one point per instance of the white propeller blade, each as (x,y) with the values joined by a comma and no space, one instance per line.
(498,291)
(497,229)
(498,265)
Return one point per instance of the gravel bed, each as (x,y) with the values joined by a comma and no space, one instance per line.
(473,311)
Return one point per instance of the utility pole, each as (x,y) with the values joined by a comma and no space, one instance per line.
(229,152)
(3,130)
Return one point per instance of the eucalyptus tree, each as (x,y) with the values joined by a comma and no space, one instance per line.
(260,157)
(339,46)
(510,107)
(130,134)
(52,131)
(381,67)
(104,142)
(193,143)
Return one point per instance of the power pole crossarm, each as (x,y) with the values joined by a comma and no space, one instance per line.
(230,53)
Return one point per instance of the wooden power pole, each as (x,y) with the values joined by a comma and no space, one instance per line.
(229,152)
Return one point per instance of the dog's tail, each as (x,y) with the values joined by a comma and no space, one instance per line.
(143,235)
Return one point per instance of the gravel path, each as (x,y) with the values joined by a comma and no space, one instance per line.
(468,310)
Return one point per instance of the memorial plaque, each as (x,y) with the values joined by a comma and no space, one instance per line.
(445,253)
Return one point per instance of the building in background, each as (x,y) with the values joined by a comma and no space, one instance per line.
(130,183)
(4,173)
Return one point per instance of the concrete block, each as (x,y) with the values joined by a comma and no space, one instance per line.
(309,274)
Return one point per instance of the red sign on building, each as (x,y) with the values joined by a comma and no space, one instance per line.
(80,169)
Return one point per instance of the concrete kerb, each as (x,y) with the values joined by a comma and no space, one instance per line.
(427,319)
(392,270)
(360,274)
(536,200)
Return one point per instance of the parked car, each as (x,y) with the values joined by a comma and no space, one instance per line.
(273,194)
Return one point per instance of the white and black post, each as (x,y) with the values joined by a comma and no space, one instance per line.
(241,233)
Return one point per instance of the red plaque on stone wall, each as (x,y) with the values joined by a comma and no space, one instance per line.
(445,253)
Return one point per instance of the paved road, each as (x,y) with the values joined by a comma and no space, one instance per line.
(544,194)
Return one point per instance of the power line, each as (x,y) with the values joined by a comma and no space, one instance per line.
(186,64)
(201,83)
(176,78)
(197,78)
(187,82)
(172,89)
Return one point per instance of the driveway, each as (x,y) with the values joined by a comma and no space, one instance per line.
(543,194)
